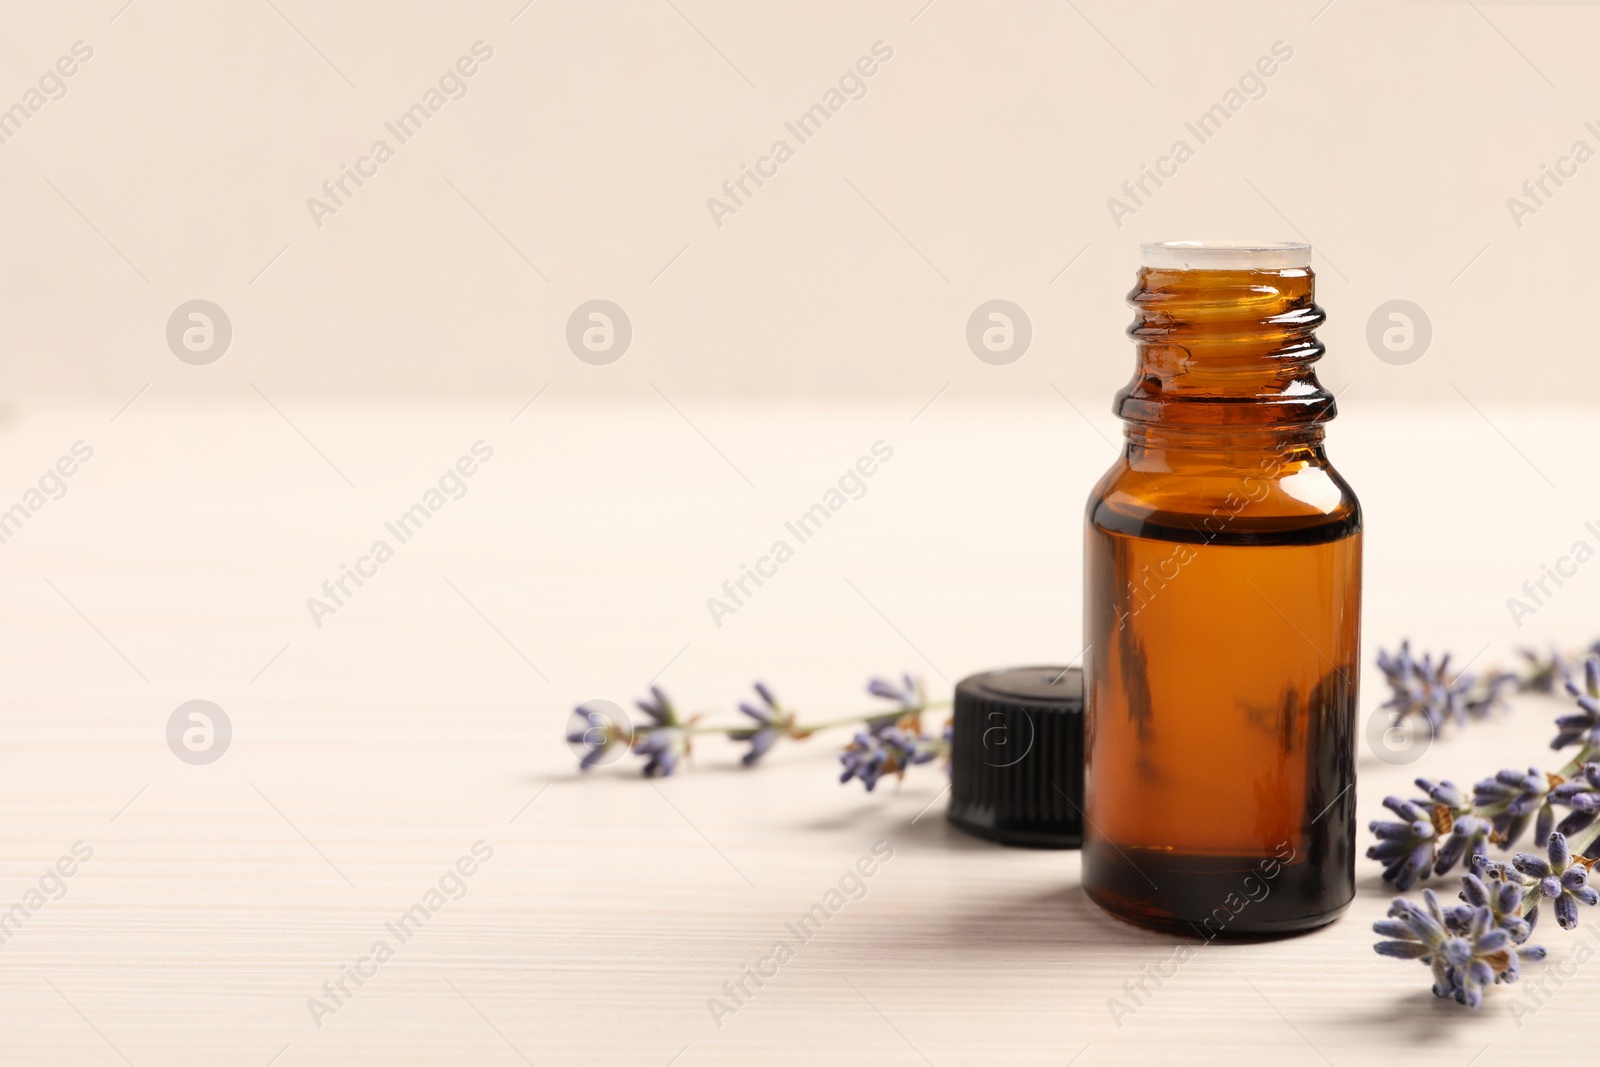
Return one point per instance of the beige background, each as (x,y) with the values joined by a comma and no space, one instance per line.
(592,140)
(768,354)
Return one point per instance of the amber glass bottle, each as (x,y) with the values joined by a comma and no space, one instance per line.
(1222,580)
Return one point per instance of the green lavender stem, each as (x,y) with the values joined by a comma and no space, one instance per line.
(893,713)
(805,728)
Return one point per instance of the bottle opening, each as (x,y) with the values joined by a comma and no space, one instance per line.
(1225,255)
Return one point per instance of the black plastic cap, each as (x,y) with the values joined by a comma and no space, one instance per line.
(1016,763)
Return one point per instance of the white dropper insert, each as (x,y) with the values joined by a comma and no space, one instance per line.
(1223,255)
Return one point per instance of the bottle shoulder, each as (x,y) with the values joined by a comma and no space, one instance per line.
(1269,503)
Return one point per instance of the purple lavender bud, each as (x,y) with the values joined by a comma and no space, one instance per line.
(1560,855)
(1393,928)
(1591,675)
(880,688)
(1446,793)
(1493,941)
(1402,950)
(1531,865)
(1541,826)
(1507,898)
(1406,809)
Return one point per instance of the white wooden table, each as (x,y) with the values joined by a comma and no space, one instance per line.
(370,754)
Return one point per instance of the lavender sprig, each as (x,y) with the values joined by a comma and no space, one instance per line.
(1431,836)
(665,739)
(775,722)
(1425,690)
(890,750)
(1551,672)
(1559,877)
(1512,799)
(1466,952)
(894,740)
(664,743)
(1584,726)
(1482,941)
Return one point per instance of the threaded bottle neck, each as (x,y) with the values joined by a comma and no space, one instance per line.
(1225,338)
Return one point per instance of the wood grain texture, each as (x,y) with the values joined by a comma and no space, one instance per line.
(369,754)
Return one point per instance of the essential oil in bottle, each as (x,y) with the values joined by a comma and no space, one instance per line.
(1222,579)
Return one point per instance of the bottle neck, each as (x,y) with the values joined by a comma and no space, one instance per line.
(1225,354)
(1156,448)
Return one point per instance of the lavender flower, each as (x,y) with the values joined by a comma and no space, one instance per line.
(1495,871)
(1584,726)
(1463,962)
(1425,690)
(1454,814)
(664,748)
(1406,848)
(1485,696)
(667,741)
(1431,837)
(1480,955)
(1560,878)
(598,734)
(775,722)
(864,758)
(887,751)
(909,694)
(1416,934)
(1582,791)
(1582,794)
(1512,799)
(1504,899)
(1420,688)
(1545,674)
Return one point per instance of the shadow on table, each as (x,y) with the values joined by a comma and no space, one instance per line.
(1418,1018)
(1040,926)
(1369,882)
(928,830)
